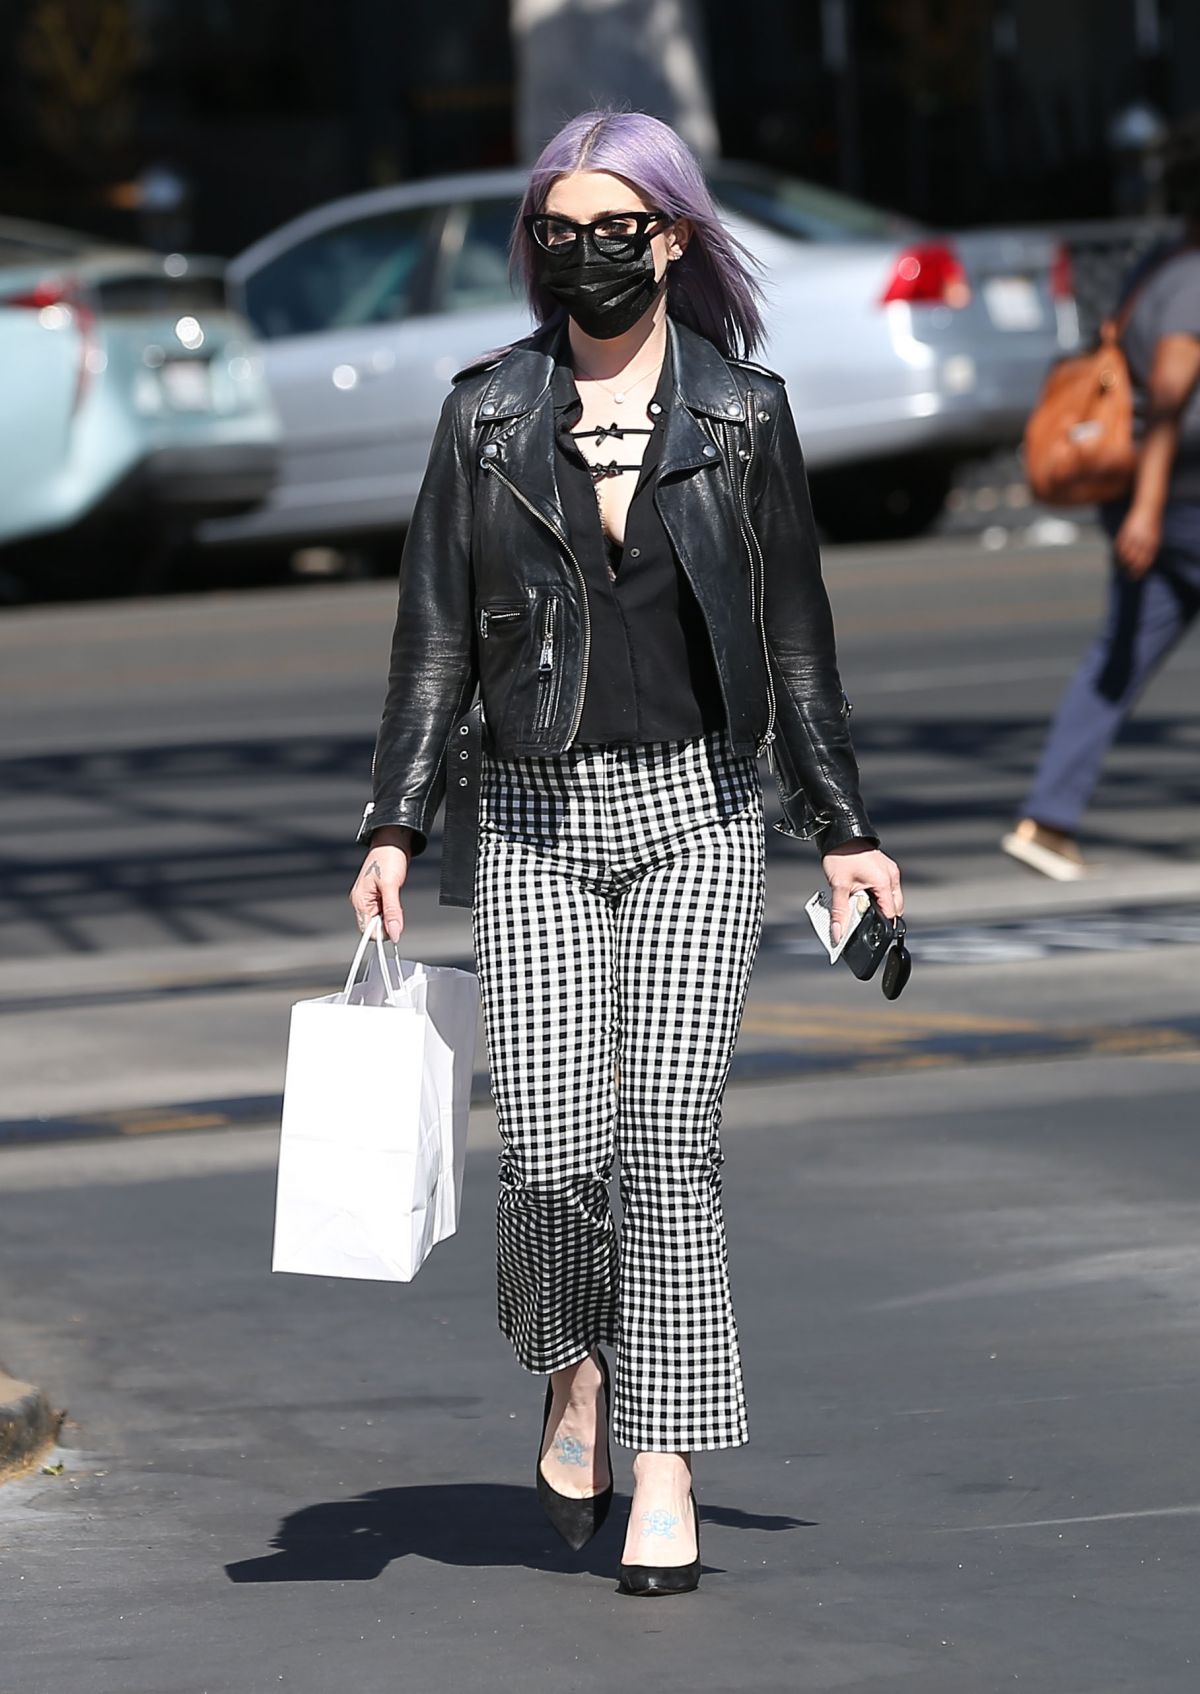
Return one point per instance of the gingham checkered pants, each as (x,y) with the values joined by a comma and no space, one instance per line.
(618,908)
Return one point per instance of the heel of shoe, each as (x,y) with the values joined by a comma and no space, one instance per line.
(651,1581)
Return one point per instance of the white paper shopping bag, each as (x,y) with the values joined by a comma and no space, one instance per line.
(374,1133)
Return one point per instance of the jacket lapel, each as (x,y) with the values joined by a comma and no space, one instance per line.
(704,388)
(528,451)
(703,384)
(515,416)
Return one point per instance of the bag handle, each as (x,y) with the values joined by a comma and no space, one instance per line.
(373,931)
(1113,327)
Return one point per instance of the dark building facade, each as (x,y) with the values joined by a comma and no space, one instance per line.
(955,110)
(206,122)
(256,110)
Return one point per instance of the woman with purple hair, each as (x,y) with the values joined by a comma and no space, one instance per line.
(613,544)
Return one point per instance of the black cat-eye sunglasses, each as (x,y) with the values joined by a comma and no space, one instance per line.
(617,235)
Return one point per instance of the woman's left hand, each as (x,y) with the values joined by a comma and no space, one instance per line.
(1138,540)
(853,866)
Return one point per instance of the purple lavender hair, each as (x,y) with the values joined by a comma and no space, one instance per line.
(710,288)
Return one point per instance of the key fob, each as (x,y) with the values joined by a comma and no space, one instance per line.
(896,971)
(865,949)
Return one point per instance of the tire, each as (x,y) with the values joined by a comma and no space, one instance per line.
(888,500)
(84,564)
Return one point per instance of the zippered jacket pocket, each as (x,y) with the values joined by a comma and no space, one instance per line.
(499,615)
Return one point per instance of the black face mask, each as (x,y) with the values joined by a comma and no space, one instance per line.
(604,296)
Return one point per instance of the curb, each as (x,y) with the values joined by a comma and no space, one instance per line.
(28,1424)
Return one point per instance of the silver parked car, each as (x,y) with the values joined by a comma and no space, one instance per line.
(132,390)
(904,351)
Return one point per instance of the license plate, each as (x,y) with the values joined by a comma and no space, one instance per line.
(1012,302)
(187,385)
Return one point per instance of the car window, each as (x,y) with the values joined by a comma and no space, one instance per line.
(803,209)
(148,292)
(365,272)
(477,274)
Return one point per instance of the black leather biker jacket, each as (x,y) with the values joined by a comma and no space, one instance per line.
(492,598)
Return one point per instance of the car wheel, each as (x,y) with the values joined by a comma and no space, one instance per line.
(891,500)
(78,565)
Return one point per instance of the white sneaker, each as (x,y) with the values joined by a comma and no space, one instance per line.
(1050,851)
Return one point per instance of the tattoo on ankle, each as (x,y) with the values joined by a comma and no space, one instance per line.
(659,1523)
(568,1450)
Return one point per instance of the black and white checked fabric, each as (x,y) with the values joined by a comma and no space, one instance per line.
(618,908)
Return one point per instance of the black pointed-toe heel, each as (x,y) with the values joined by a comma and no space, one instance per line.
(649,1581)
(576,1520)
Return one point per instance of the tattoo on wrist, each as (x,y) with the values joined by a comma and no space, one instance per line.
(375,868)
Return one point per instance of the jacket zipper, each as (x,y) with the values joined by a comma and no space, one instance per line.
(546,664)
(769,734)
(546,660)
(587,622)
(756,595)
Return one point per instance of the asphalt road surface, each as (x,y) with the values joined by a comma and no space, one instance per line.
(183,779)
(969,1315)
(963,1228)
(195,768)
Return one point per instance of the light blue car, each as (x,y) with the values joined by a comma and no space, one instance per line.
(131,390)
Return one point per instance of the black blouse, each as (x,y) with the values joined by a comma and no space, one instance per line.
(651,673)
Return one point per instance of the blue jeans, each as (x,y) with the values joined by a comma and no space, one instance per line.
(1145,621)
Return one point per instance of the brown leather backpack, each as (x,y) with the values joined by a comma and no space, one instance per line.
(1078,446)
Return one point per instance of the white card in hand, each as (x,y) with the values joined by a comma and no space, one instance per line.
(820,913)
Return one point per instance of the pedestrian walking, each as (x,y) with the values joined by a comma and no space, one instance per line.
(1154,590)
(614,542)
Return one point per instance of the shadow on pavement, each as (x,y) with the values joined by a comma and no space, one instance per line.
(196,835)
(194,839)
(986,760)
(457,1523)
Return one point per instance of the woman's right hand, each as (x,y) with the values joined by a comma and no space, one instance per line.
(376,890)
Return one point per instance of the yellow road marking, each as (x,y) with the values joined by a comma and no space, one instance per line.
(821,1024)
(171,1120)
(1138,1040)
(822,1016)
(884,1031)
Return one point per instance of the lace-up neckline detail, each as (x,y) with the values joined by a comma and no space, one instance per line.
(599,433)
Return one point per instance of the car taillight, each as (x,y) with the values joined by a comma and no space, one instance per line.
(61,294)
(930,273)
(52,291)
(1062,275)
